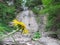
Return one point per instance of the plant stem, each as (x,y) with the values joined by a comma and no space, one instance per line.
(14,40)
(8,34)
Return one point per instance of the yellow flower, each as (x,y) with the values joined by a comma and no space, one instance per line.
(16,22)
(25,31)
(22,24)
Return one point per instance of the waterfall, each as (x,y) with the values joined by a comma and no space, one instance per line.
(23,5)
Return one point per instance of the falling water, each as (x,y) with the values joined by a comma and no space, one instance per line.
(23,5)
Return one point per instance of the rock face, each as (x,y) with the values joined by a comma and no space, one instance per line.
(28,18)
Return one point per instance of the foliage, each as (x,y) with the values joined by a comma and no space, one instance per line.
(4,29)
(18,5)
(36,35)
(6,15)
(18,2)
(36,10)
(52,8)
(33,3)
(47,3)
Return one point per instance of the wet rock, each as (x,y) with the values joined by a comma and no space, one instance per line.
(29,19)
(49,41)
(1,43)
(53,36)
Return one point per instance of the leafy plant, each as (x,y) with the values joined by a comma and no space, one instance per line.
(52,8)
(36,35)
(33,3)
(6,15)
(18,4)
(36,10)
